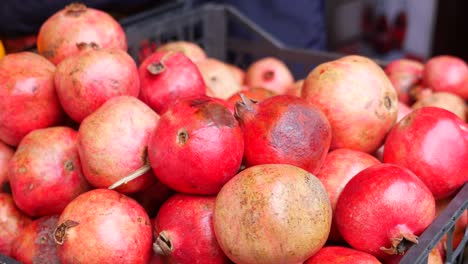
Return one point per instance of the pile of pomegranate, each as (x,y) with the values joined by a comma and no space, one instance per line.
(188,159)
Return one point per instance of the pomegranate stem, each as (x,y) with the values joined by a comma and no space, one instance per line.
(131,177)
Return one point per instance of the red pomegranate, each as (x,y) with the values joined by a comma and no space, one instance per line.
(196,147)
(272,213)
(75,24)
(296,88)
(339,167)
(404,74)
(113,144)
(27,96)
(358,100)
(45,171)
(239,74)
(255,94)
(269,73)
(166,77)
(183,231)
(103,226)
(35,243)
(445,100)
(447,74)
(284,129)
(219,79)
(341,255)
(86,81)
(153,197)
(403,110)
(12,222)
(191,50)
(416,143)
(392,220)
(5,154)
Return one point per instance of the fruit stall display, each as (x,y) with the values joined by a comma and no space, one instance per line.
(161,139)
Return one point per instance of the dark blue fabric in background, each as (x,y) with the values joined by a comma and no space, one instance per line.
(297,23)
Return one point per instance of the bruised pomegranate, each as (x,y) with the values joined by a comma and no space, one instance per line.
(113,144)
(404,74)
(255,94)
(86,81)
(341,255)
(340,166)
(432,143)
(35,243)
(358,100)
(272,213)
(445,100)
(27,96)
(182,215)
(5,154)
(45,171)
(284,129)
(238,73)
(269,73)
(12,222)
(448,74)
(166,77)
(383,209)
(191,50)
(103,226)
(219,79)
(75,24)
(196,147)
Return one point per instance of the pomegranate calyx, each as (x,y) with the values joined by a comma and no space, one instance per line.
(243,107)
(400,244)
(85,45)
(268,75)
(163,245)
(75,9)
(156,68)
(139,172)
(61,231)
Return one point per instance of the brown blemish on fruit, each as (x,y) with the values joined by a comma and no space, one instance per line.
(216,114)
(75,9)
(182,136)
(48,54)
(85,45)
(69,165)
(368,104)
(61,231)
(268,75)
(387,102)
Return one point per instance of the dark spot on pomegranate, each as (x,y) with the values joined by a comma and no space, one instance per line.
(61,231)
(86,45)
(139,219)
(156,68)
(42,240)
(268,75)
(75,9)
(182,136)
(213,79)
(144,155)
(387,102)
(368,104)
(69,165)
(322,71)
(216,114)
(198,101)
(48,54)
(22,170)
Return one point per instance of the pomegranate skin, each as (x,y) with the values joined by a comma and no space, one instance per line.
(86,81)
(196,147)
(255,94)
(447,74)
(59,35)
(445,100)
(392,201)
(284,129)
(27,96)
(341,255)
(339,167)
(416,143)
(194,52)
(271,74)
(180,79)
(45,171)
(35,243)
(12,222)
(103,226)
(272,213)
(403,110)
(404,74)
(113,143)
(5,154)
(358,100)
(219,78)
(182,215)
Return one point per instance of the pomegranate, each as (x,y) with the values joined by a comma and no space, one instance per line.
(255,94)
(35,243)
(187,214)
(87,80)
(284,129)
(448,74)
(269,73)
(219,79)
(238,73)
(403,110)
(103,226)
(5,154)
(392,220)
(166,77)
(341,255)
(404,74)
(27,96)
(196,147)
(296,88)
(358,100)
(45,171)
(416,143)
(12,222)
(113,144)
(75,24)
(445,100)
(272,213)
(191,50)
(340,166)
(153,197)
